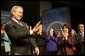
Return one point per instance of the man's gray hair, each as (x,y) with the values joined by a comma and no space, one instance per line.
(14,8)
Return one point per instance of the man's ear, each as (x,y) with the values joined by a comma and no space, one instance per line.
(12,13)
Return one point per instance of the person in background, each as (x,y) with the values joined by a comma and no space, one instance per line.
(79,40)
(51,39)
(40,38)
(5,42)
(73,34)
(64,41)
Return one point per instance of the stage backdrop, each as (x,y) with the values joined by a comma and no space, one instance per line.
(56,18)
(5,15)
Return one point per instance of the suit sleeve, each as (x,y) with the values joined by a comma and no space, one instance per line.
(33,42)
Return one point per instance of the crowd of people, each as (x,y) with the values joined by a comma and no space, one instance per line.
(21,39)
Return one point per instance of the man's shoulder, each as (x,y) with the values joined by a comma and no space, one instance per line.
(9,22)
(78,35)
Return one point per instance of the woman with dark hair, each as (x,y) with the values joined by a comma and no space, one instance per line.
(64,41)
(40,38)
(51,42)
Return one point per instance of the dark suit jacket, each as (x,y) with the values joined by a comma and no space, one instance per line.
(79,44)
(21,40)
(78,39)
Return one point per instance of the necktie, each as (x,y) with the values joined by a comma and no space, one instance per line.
(20,23)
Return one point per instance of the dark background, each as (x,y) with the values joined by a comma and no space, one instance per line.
(32,10)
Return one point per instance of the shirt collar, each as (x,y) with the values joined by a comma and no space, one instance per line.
(15,20)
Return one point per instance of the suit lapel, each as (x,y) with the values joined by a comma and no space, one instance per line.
(79,36)
(16,24)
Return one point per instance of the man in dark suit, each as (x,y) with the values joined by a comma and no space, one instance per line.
(19,34)
(79,40)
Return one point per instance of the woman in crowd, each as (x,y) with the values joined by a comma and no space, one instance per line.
(72,36)
(40,38)
(65,46)
(5,42)
(51,42)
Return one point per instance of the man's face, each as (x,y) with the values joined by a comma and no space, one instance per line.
(81,27)
(18,13)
